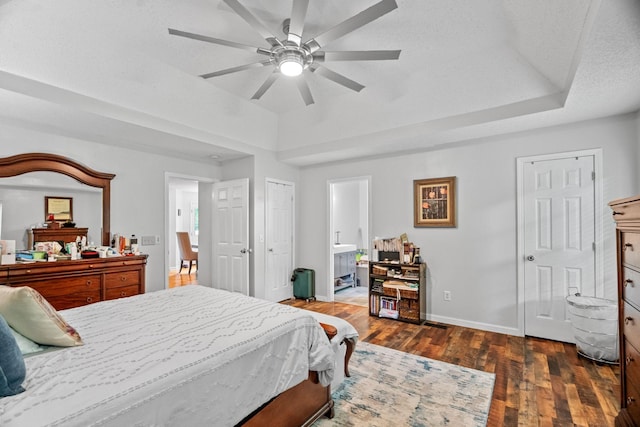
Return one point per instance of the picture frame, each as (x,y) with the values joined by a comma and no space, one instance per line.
(434,202)
(58,208)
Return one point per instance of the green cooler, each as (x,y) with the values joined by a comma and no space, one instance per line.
(304,283)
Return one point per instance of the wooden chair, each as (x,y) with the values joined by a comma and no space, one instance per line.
(186,252)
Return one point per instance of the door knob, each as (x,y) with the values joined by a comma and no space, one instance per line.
(246,251)
(531,258)
(270,249)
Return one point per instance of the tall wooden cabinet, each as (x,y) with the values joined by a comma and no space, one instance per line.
(397,291)
(626,213)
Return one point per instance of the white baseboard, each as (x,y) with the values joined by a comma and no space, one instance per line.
(459,322)
(475,325)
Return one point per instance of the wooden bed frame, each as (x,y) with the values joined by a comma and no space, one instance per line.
(303,404)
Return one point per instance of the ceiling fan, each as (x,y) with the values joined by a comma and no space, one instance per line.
(291,56)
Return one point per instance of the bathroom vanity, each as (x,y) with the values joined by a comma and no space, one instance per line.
(344,266)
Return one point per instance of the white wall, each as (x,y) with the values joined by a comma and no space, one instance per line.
(137,191)
(475,261)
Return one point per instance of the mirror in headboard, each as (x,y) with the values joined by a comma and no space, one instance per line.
(43,162)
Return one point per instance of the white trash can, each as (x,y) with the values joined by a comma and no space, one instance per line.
(595,326)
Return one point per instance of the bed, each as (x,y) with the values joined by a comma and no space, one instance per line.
(184,356)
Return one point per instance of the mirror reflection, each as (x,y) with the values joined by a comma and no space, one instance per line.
(23,202)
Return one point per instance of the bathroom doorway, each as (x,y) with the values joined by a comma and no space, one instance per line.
(349,229)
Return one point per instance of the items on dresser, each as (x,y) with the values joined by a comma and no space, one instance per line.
(64,235)
(626,213)
(68,284)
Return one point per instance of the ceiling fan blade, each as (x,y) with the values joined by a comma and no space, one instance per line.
(303,87)
(253,21)
(357,55)
(336,77)
(353,23)
(218,41)
(235,69)
(266,85)
(296,23)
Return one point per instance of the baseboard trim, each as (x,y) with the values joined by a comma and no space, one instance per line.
(474,325)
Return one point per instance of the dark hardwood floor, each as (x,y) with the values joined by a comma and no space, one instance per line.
(538,382)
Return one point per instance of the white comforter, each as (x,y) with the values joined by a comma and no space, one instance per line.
(190,356)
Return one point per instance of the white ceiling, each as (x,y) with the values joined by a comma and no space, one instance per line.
(109,72)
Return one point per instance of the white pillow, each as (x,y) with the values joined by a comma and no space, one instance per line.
(26,311)
(25,344)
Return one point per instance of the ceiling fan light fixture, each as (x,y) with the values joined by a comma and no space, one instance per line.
(291,64)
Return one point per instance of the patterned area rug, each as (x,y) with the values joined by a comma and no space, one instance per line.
(391,388)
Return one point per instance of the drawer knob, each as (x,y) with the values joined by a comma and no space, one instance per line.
(123,278)
(628,320)
(627,246)
(123,294)
(628,282)
(629,359)
(28,271)
(88,282)
(90,265)
(617,213)
(89,299)
(630,400)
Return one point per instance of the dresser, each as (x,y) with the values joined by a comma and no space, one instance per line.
(68,284)
(626,213)
(62,234)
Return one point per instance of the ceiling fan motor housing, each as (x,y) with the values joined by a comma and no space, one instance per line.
(291,59)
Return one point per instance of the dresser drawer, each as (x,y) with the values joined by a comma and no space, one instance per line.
(630,248)
(122,292)
(626,211)
(121,279)
(632,399)
(631,286)
(631,325)
(632,363)
(68,292)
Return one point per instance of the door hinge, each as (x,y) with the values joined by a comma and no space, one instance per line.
(593,176)
(593,246)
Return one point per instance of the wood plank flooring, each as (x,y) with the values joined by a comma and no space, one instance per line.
(182,279)
(538,382)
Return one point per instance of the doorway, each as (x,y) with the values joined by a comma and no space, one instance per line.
(183,215)
(349,231)
(559,238)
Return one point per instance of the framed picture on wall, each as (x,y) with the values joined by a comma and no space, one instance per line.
(58,208)
(434,202)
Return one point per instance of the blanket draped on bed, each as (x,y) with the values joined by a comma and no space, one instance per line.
(185,356)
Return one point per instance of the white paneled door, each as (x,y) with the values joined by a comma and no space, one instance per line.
(231,235)
(279,240)
(558,243)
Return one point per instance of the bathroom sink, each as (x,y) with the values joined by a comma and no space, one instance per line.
(343,247)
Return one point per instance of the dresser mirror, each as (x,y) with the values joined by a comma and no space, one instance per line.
(51,174)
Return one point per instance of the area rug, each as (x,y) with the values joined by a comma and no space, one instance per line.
(391,388)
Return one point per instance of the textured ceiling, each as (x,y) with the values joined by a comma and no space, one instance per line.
(110,72)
